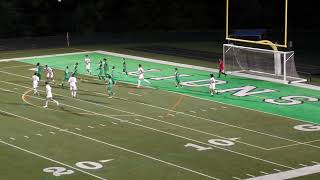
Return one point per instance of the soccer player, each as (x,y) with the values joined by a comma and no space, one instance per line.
(101,74)
(105,67)
(177,75)
(221,68)
(49,71)
(66,76)
(73,87)
(124,67)
(35,83)
(49,95)
(75,69)
(141,76)
(87,61)
(113,78)
(212,84)
(39,70)
(109,86)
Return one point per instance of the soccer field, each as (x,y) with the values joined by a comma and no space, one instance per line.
(251,129)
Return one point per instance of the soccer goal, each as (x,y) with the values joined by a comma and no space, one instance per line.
(263,64)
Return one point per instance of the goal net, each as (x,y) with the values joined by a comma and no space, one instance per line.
(276,66)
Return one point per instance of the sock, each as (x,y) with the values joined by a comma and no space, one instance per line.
(139,82)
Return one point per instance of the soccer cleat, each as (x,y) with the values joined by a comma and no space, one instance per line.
(45,106)
(57,103)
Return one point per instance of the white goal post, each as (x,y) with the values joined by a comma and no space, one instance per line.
(263,64)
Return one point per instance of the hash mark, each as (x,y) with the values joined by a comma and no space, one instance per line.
(39,134)
(236,178)
(138,120)
(277,170)
(250,175)
(193,112)
(102,125)
(203,110)
(113,123)
(52,133)
(262,172)
(26,137)
(303,165)
(13,139)
(315,162)
(171,115)
(104,161)
(91,127)
(78,129)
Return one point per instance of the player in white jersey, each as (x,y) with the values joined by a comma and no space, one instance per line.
(87,61)
(212,84)
(49,95)
(73,87)
(49,71)
(141,76)
(35,83)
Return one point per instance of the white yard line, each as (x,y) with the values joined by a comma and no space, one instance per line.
(309,170)
(146,116)
(109,144)
(182,137)
(49,159)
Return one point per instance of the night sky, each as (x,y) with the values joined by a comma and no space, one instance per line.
(49,17)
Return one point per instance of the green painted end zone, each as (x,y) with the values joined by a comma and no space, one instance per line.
(280,99)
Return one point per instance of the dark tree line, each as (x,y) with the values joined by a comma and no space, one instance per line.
(49,17)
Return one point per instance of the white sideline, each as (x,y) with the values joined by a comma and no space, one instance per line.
(290,174)
(43,157)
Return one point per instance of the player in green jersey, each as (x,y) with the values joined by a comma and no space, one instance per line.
(39,70)
(66,76)
(105,67)
(75,70)
(101,74)
(177,76)
(113,77)
(124,67)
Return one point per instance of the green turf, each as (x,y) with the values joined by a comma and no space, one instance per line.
(144,133)
(307,111)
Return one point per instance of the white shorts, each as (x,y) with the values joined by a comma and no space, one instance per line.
(50,75)
(73,87)
(88,67)
(141,77)
(212,86)
(49,95)
(34,85)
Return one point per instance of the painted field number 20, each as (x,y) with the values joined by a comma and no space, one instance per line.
(87,165)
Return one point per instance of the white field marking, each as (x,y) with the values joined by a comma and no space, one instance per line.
(236,178)
(52,133)
(155,120)
(303,165)
(15,66)
(262,172)
(250,175)
(138,120)
(210,120)
(277,170)
(193,112)
(44,157)
(134,94)
(13,139)
(176,124)
(124,121)
(122,115)
(91,127)
(213,109)
(203,110)
(296,144)
(114,123)
(315,162)
(102,125)
(26,137)
(309,170)
(171,115)
(112,145)
(78,129)
(39,134)
(44,56)
(182,137)
(105,161)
